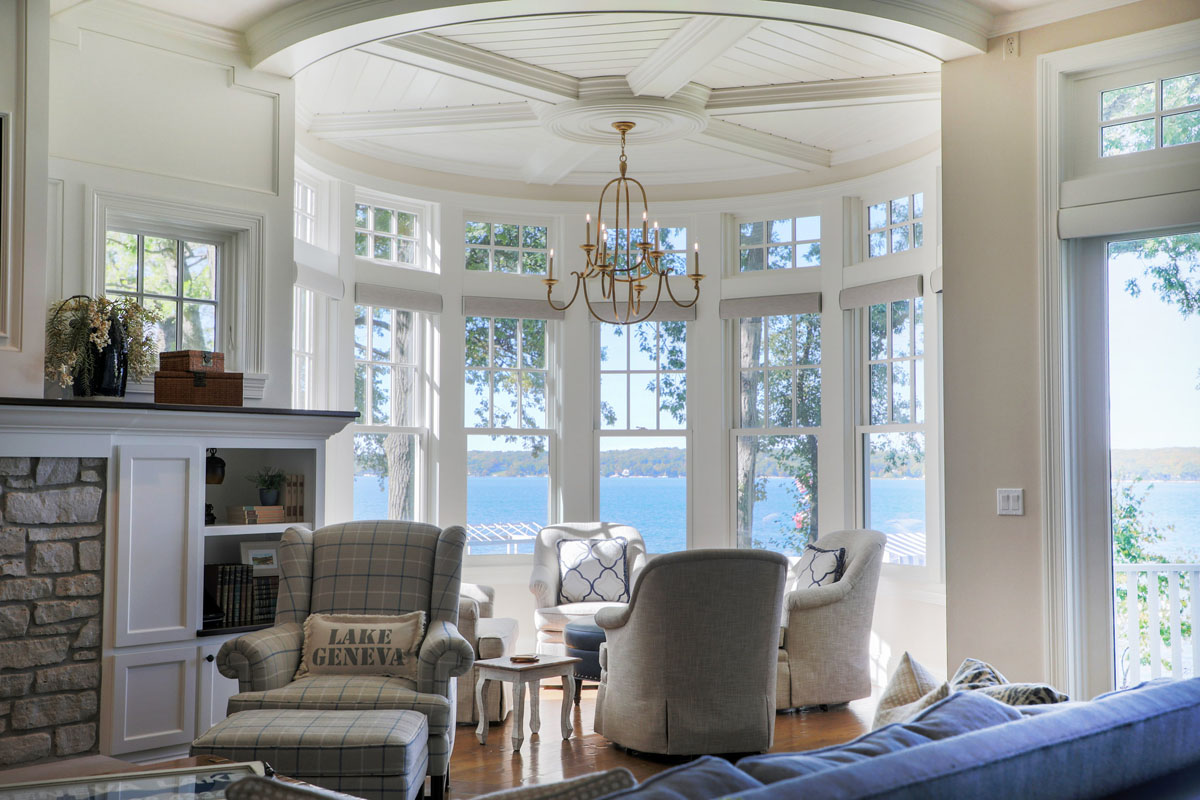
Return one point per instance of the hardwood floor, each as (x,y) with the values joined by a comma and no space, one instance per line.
(477,769)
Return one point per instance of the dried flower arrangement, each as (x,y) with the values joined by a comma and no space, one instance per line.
(78,324)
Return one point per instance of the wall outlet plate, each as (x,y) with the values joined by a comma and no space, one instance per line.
(1010,502)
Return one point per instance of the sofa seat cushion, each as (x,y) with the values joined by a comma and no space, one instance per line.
(349,693)
(704,778)
(959,713)
(555,618)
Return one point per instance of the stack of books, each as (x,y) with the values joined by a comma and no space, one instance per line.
(293,498)
(242,598)
(256,515)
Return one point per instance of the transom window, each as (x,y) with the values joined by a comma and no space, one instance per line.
(390,431)
(776,428)
(779,244)
(304,214)
(386,234)
(892,436)
(506,247)
(1163,113)
(896,225)
(176,277)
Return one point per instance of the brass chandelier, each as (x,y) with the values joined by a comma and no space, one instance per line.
(627,269)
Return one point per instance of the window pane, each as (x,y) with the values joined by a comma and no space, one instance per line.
(383,218)
(750,342)
(533,400)
(161,263)
(672,401)
(673,238)
(751,260)
(406,224)
(477,258)
(776,480)
(877,216)
(919,388)
(360,332)
(533,263)
(504,342)
(533,343)
(385,475)
(508,493)
(506,235)
(780,339)
(360,393)
(1132,137)
(779,397)
(381,334)
(166,328)
(808,228)
(406,251)
(750,233)
(406,336)
(878,331)
(643,346)
(896,494)
(808,398)
(879,394)
(877,245)
(362,245)
(900,239)
(478,233)
(901,329)
(808,339)
(808,255)
(901,378)
(612,347)
(505,392)
(918,234)
(1127,102)
(200,271)
(381,395)
(361,215)
(506,261)
(385,248)
(120,261)
(918,209)
(1182,91)
(613,403)
(199,326)
(644,483)
(780,230)
(477,341)
(900,210)
(533,236)
(919,324)
(476,403)
(1181,129)
(643,406)
(779,257)
(753,400)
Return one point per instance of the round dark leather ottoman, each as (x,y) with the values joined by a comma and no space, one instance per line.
(583,639)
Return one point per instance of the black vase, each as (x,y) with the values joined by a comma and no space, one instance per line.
(110,366)
(214,467)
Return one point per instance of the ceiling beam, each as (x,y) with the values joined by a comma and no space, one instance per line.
(763,146)
(448,57)
(825,94)
(361,124)
(696,44)
(551,164)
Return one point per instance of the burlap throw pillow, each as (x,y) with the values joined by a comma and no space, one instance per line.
(362,644)
(910,689)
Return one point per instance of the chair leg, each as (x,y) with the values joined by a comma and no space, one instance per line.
(578,689)
(438,784)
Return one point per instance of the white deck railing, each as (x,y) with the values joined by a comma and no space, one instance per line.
(508,534)
(1167,607)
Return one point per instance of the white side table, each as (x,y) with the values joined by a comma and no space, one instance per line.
(520,676)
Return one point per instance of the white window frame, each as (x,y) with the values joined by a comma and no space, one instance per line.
(1158,114)
(424,231)
(304,211)
(735,268)
(304,346)
(890,226)
(522,220)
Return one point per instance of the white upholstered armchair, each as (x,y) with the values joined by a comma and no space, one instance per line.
(549,614)
(492,637)
(824,649)
(689,664)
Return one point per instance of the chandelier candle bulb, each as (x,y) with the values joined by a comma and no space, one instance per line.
(696,253)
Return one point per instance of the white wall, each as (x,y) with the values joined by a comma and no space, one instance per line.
(169,115)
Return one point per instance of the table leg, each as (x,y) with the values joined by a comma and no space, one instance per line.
(518,734)
(535,706)
(568,682)
(481,730)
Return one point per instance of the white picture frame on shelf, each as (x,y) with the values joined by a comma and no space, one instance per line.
(263,556)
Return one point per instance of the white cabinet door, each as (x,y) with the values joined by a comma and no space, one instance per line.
(153,699)
(159,549)
(215,690)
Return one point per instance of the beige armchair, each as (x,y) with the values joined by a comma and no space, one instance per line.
(689,664)
(824,645)
(549,615)
(492,637)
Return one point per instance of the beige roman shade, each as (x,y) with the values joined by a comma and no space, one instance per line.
(392,297)
(883,292)
(508,308)
(771,305)
(935,280)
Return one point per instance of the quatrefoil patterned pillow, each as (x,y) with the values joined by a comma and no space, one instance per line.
(592,570)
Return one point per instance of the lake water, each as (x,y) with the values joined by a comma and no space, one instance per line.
(656,507)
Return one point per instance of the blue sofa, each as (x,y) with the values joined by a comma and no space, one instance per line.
(1139,742)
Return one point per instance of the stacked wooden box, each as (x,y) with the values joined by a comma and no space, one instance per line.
(196,377)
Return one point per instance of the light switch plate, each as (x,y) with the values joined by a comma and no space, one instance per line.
(1010,502)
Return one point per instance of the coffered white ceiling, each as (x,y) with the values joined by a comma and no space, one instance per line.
(532,99)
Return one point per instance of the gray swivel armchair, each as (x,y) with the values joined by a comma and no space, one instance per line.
(379,567)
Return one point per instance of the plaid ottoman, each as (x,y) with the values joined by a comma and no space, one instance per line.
(378,755)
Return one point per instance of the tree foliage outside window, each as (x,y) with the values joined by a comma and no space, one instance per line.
(779,244)
(1154,114)
(896,225)
(385,234)
(506,247)
(506,374)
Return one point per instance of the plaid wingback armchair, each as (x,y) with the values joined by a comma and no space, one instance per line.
(378,567)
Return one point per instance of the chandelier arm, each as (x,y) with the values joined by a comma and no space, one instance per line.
(674,300)
(550,288)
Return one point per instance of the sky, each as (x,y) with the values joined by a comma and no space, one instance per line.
(1154,365)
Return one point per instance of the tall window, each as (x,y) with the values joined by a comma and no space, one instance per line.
(507,247)
(896,225)
(778,417)
(1163,113)
(176,277)
(386,234)
(304,213)
(779,244)
(643,437)
(391,430)
(892,440)
(304,347)
(508,447)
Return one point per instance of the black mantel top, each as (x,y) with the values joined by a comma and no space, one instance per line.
(122,405)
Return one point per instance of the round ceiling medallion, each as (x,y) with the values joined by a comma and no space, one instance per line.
(603,101)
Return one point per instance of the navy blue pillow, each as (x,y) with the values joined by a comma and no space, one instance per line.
(703,779)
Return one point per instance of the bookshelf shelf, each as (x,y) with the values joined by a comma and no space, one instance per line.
(241,530)
(237,629)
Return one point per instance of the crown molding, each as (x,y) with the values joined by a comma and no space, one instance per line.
(1047,14)
(151,26)
(824,94)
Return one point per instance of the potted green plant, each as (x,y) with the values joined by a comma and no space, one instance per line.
(95,345)
(269,481)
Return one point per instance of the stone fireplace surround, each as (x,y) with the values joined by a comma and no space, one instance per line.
(52,533)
